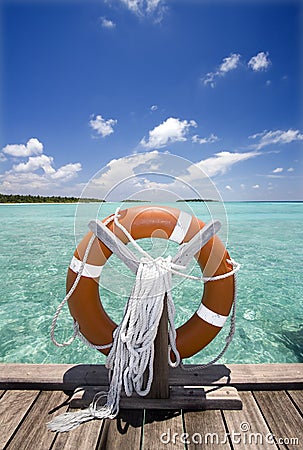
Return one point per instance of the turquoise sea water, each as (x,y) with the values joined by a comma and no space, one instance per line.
(37,243)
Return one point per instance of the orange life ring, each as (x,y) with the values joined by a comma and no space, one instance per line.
(143,222)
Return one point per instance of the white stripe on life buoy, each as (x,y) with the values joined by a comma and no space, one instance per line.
(181,228)
(211,317)
(89,270)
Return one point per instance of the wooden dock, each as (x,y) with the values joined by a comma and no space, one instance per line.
(271,418)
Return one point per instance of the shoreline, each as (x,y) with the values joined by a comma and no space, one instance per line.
(108,202)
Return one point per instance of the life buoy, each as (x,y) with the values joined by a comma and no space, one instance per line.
(144,222)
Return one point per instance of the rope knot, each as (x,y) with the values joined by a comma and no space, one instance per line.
(154,275)
(160,262)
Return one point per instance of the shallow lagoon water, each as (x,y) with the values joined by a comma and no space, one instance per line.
(37,242)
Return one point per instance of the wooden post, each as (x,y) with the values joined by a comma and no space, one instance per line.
(160,386)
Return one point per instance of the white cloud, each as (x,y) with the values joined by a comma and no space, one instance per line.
(259,62)
(210,78)
(37,174)
(256,186)
(155,175)
(107,23)
(198,140)
(32,147)
(170,131)
(228,187)
(39,183)
(67,172)
(45,163)
(146,7)
(34,163)
(2,157)
(23,183)
(278,170)
(242,186)
(275,176)
(229,63)
(154,108)
(101,126)
(276,137)
(290,169)
(121,169)
(222,161)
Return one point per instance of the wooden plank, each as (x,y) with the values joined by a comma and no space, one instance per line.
(14,405)
(160,386)
(125,432)
(282,417)
(2,392)
(114,244)
(242,376)
(51,376)
(163,430)
(203,397)
(249,424)
(297,398)
(84,437)
(206,430)
(68,376)
(188,250)
(33,433)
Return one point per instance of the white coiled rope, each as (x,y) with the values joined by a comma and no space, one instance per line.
(131,357)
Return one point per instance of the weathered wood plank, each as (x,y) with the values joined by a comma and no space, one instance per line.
(207,397)
(125,432)
(13,406)
(160,387)
(242,376)
(163,430)
(51,376)
(282,417)
(68,376)
(249,424)
(2,392)
(188,250)
(206,430)
(297,398)
(114,244)
(33,433)
(84,437)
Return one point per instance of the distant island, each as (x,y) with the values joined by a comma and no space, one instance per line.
(136,201)
(197,200)
(181,200)
(17,198)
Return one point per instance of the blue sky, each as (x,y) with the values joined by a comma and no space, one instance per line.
(85,84)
